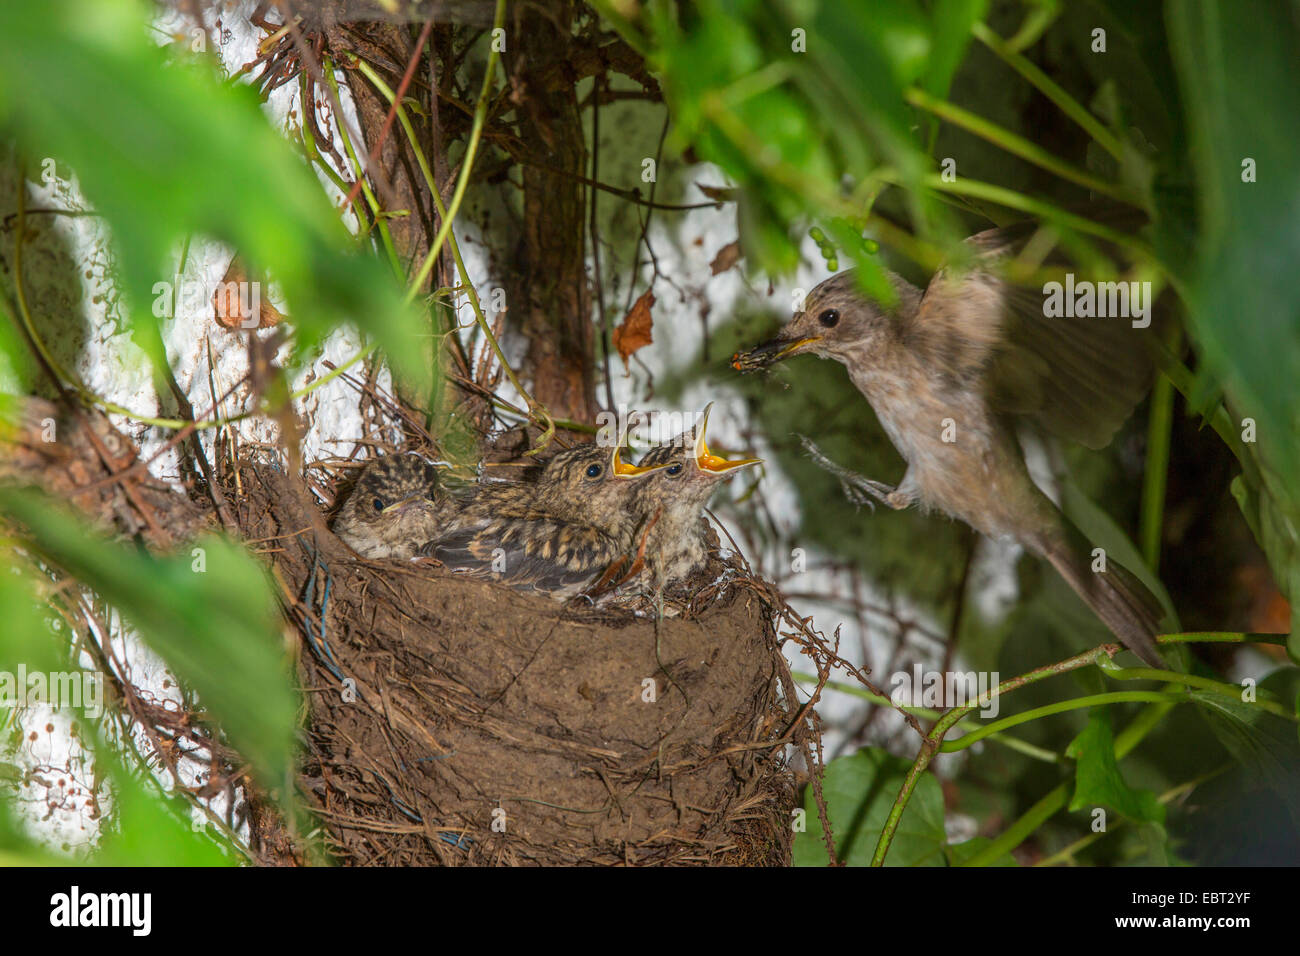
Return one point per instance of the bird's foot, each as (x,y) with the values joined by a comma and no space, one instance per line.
(856,496)
(857,489)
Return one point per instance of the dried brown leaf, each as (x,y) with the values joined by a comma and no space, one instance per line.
(233,301)
(727,257)
(635,331)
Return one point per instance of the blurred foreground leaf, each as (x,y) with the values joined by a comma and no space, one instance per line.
(1242,289)
(217,629)
(166,149)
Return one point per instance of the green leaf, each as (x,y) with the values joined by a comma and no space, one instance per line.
(1242,288)
(164,149)
(951,25)
(959,853)
(218,629)
(144,831)
(859,792)
(1098,781)
(1263,743)
(789,98)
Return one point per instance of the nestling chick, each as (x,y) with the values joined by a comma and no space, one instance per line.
(671,503)
(555,534)
(396,505)
(951,371)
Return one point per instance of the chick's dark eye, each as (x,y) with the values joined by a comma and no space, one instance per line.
(378,503)
(830,318)
(593,471)
(674,469)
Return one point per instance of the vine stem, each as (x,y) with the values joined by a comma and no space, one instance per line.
(447,214)
(934,739)
(359,171)
(471,149)
(925,713)
(1161,701)
(1044,84)
(1005,139)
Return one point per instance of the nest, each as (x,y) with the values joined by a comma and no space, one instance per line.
(455,721)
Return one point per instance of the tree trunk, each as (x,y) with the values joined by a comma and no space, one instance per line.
(547,291)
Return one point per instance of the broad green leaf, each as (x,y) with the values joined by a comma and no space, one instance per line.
(951,25)
(792,98)
(217,628)
(164,149)
(146,831)
(1097,778)
(859,792)
(1242,288)
(1262,742)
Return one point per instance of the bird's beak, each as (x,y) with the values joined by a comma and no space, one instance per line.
(711,463)
(405,504)
(621,469)
(769,353)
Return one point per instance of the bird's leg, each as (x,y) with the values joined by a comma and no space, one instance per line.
(639,562)
(857,489)
(605,582)
(623,568)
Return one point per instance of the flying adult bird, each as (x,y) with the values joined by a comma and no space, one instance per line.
(555,534)
(396,504)
(952,370)
(671,504)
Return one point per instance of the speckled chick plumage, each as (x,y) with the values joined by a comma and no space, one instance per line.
(671,509)
(555,534)
(396,504)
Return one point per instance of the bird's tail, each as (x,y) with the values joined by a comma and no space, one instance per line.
(1115,594)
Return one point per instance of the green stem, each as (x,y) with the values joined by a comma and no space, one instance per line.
(925,713)
(1231,691)
(445,234)
(467,164)
(1016,145)
(934,739)
(1159,431)
(1092,700)
(1183,380)
(1041,82)
(1223,637)
(1034,207)
(394,260)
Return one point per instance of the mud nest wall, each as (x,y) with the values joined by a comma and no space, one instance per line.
(454,721)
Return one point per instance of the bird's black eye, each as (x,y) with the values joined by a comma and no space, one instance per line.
(594,471)
(674,469)
(378,503)
(830,318)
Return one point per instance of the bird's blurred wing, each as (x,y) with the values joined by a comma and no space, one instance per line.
(1075,377)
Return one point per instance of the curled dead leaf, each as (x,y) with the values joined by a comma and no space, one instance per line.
(635,331)
(727,257)
(237,300)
